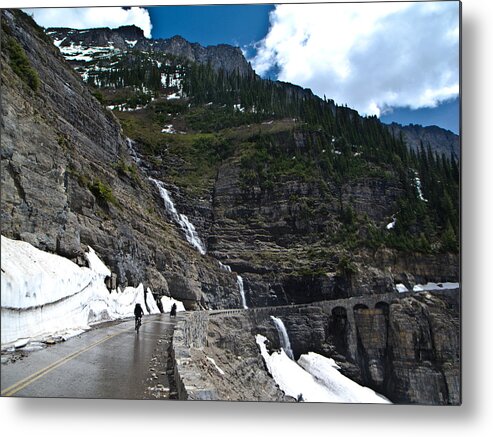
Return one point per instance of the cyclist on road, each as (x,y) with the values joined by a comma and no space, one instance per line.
(138,313)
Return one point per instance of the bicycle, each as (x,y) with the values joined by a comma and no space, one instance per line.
(138,323)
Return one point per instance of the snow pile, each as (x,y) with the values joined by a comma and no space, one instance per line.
(151,302)
(327,372)
(391,225)
(123,106)
(173,80)
(168,129)
(45,294)
(173,96)
(401,288)
(167,303)
(57,42)
(430,286)
(322,383)
(85,54)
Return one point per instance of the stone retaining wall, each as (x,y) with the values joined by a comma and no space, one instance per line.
(190,333)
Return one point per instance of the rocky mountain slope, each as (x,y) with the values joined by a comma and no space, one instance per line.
(68,180)
(441,141)
(305,199)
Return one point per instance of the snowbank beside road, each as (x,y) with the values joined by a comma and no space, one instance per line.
(168,302)
(46,295)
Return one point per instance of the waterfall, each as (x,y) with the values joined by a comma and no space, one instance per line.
(239,280)
(283,336)
(224,267)
(181,219)
(132,152)
(189,229)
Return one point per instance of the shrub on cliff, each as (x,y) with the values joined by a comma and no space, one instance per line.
(102,192)
(20,64)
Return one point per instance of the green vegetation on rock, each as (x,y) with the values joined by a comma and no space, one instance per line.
(19,62)
(102,192)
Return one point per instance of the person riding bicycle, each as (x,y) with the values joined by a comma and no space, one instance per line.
(138,313)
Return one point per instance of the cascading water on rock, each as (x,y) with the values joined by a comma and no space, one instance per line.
(239,281)
(241,287)
(132,152)
(224,266)
(190,232)
(283,336)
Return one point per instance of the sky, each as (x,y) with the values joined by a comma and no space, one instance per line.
(396,60)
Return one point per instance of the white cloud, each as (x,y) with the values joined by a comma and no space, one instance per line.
(86,18)
(371,56)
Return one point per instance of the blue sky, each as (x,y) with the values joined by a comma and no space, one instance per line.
(399,61)
(210,25)
(446,115)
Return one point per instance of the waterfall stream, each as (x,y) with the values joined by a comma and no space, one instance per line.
(239,281)
(190,232)
(283,336)
(132,152)
(224,266)
(241,287)
(182,220)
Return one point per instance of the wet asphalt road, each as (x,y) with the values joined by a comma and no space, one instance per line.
(110,362)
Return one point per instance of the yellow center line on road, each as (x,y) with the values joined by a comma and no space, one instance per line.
(23,383)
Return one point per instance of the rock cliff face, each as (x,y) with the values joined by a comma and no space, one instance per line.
(283,238)
(221,56)
(406,348)
(68,181)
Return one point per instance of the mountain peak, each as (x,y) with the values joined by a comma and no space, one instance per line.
(131,31)
(440,140)
(222,56)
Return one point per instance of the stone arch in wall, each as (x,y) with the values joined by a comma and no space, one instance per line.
(359,307)
(384,306)
(338,328)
